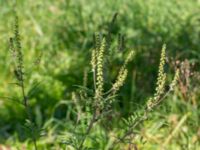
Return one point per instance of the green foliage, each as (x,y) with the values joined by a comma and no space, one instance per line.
(60,35)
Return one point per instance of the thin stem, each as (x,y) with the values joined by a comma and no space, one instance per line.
(93,120)
(25,102)
(23,94)
(143,118)
(35,143)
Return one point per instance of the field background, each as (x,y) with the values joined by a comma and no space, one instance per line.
(61,32)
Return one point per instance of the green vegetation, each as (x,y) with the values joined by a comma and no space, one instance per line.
(100,75)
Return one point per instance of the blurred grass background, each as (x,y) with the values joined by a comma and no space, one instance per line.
(62,31)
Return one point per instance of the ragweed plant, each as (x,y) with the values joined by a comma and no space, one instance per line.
(99,102)
(99,79)
(19,72)
(160,94)
(122,74)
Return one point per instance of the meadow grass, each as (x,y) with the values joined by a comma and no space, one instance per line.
(61,33)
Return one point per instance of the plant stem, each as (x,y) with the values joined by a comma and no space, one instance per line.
(143,118)
(25,102)
(93,120)
(35,143)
